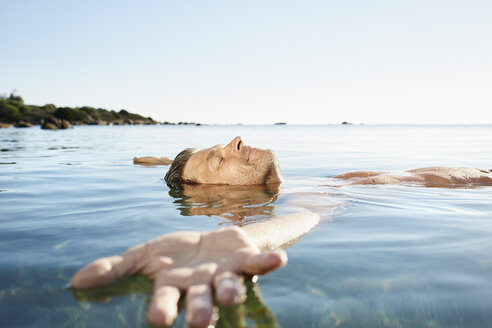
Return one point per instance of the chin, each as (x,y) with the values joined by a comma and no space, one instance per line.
(273,175)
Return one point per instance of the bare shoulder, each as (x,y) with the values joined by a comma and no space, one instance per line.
(451,170)
(377,178)
(435,176)
(450,176)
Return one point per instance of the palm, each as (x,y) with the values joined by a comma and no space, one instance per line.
(224,249)
(190,262)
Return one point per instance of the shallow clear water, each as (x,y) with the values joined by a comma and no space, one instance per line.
(387,256)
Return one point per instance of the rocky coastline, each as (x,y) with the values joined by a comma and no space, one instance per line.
(14,112)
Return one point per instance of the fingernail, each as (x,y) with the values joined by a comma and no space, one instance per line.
(200,315)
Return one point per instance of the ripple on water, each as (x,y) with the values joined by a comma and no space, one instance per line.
(392,256)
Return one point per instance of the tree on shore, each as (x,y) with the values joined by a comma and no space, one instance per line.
(14,110)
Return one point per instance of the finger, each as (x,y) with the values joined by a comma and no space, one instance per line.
(229,289)
(199,308)
(264,262)
(163,308)
(102,272)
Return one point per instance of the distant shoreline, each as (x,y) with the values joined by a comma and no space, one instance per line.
(14,112)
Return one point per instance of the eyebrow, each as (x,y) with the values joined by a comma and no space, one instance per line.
(211,154)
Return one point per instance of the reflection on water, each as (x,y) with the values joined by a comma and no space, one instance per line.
(238,204)
(134,284)
(253,310)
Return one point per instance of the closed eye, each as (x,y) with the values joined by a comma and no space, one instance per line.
(215,160)
(219,161)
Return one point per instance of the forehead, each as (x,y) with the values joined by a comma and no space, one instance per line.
(204,154)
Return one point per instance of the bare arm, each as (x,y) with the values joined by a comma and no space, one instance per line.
(282,231)
(196,262)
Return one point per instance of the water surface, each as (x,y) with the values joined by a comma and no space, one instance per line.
(383,256)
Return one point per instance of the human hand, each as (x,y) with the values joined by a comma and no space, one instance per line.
(187,262)
(151,160)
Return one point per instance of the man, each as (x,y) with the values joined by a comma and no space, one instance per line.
(196,263)
(237,164)
(233,164)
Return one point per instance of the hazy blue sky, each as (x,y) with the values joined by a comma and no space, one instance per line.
(255,61)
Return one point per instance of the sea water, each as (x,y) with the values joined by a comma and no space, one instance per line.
(382,256)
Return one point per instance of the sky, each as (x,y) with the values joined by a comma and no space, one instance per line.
(255,62)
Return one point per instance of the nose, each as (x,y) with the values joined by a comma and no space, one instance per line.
(235,145)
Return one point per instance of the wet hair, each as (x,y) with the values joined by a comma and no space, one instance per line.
(174,176)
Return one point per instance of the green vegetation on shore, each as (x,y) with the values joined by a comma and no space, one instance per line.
(13,111)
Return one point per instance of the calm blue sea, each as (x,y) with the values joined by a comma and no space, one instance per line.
(383,256)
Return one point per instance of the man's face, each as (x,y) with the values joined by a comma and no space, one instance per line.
(234,164)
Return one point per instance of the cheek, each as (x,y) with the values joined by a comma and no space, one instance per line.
(239,174)
(230,173)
